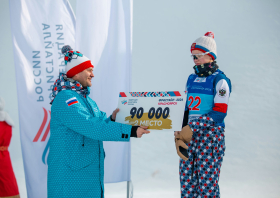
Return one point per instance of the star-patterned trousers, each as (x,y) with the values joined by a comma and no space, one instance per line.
(199,175)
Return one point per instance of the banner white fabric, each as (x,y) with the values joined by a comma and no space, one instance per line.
(39,31)
(104,34)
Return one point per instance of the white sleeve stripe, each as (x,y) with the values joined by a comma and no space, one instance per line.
(222,92)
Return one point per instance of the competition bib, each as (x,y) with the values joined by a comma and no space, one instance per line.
(157,110)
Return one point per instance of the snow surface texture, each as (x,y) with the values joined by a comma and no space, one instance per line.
(247,36)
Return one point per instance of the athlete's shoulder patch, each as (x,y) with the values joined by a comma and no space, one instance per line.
(222,92)
(72,101)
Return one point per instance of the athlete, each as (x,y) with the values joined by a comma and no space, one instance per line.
(208,91)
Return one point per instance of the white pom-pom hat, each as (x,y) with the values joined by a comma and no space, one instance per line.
(206,43)
(75,61)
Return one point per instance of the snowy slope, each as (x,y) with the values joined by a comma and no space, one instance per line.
(247,36)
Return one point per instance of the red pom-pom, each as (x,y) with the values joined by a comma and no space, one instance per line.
(77,51)
(210,34)
(66,58)
(71,51)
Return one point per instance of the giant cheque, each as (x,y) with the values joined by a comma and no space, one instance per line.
(158,110)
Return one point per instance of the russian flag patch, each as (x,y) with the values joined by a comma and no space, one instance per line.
(72,101)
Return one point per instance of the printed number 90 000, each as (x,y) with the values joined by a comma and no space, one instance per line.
(152,112)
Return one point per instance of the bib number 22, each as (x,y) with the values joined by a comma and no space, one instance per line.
(197,100)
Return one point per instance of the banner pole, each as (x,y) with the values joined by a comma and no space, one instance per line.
(127,189)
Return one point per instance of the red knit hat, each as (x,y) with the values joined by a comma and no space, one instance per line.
(75,61)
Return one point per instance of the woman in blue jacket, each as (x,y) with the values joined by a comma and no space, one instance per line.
(208,91)
(78,129)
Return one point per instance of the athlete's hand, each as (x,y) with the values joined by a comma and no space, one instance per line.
(142,130)
(114,114)
(176,132)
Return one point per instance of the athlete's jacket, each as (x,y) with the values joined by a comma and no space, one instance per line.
(208,95)
(76,155)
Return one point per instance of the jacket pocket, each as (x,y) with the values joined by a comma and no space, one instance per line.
(212,146)
(79,152)
(82,162)
(193,165)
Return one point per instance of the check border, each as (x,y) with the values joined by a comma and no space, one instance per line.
(152,94)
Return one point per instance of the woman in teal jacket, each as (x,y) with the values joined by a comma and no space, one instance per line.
(78,127)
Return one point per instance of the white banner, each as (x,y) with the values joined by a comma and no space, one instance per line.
(104,34)
(39,30)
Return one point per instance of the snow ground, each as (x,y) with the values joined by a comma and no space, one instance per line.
(246,33)
(247,36)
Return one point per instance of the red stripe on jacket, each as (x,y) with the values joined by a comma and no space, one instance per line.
(73,103)
(220,107)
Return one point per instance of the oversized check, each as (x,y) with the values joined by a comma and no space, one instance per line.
(158,110)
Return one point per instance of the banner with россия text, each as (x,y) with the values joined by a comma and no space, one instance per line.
(39,31)
(105,36)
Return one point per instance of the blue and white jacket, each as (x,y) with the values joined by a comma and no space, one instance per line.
(208,95)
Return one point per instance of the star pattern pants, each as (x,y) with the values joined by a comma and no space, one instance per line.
(199,175)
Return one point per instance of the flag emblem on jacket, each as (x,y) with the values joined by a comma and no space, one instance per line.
(72,101)
(222,92)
